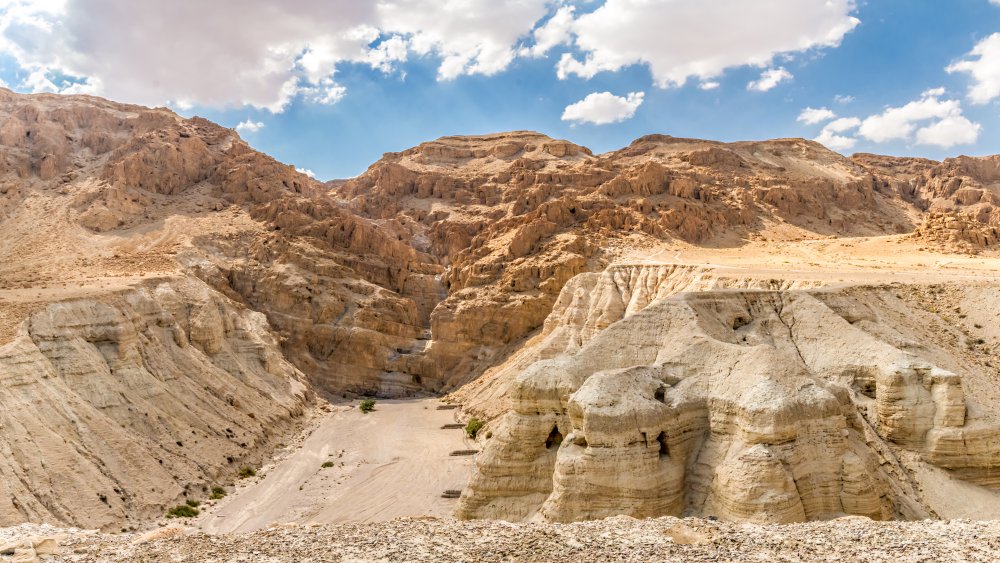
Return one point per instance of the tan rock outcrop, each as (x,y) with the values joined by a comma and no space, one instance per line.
(115,408)
(756,406)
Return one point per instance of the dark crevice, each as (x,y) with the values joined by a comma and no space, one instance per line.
(554,439)
(664,449)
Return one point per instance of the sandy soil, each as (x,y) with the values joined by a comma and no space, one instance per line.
(848,260)
(390,463)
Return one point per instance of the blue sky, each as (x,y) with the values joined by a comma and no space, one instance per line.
(361,98)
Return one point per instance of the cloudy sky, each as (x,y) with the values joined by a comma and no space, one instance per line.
(329,85)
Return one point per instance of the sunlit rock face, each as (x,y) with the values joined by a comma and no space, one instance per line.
(762,406)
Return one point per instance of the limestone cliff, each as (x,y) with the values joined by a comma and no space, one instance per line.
(116,407)
(762,405)
(159,276)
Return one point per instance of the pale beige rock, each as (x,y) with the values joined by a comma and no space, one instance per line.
(754,406)
(110,417)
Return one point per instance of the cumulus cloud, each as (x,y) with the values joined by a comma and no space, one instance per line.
(983,65)
(769,79)
(709,85)
(190,52)
(556,31)
(117,48)
(843,99)
(306,171)
(601,108)
(249,126)
(471,36)
(683,40)
(927,120)
(812,116)
(832,137)
(949,131)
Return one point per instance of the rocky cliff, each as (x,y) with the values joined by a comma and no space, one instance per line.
(115,407)
(148,255)
(768,405)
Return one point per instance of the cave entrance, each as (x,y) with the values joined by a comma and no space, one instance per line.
(664,449)
(660,395)
(555,438)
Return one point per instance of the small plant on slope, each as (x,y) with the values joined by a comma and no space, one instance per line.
(473,427)
(182,511)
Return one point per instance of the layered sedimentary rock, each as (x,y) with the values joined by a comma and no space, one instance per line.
(437,262)
(515,216)
(960,195)
(461,256)
(767,406)
(114,408)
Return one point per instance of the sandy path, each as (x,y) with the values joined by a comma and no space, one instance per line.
(390,463)
(869,260)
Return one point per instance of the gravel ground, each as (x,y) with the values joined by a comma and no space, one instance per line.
(614,539)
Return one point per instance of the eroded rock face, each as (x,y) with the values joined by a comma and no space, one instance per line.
(115,408)
(764,406)
(959,194)
(515,216)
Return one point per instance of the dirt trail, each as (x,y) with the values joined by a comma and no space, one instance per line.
(390,463)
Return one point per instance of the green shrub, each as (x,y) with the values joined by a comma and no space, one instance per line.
(217,493)
(473,427)
(367,405)
(247,472)
(327,464)
(193,503)
(182,511)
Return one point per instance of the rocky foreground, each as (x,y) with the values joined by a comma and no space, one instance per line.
(613,539)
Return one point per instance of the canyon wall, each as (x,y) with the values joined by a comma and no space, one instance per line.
(759,405)
(115,408)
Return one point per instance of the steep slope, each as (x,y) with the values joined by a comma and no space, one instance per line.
(129,382)
(160,264)
(514,216)
(959,196)
(774,405)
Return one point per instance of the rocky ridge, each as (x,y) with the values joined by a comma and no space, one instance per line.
(436,265)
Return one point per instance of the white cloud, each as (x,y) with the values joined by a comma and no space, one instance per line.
(831,133)
(680,40)
(709,85)
(471,36)
(306,171)
(812,116)
(900,123)
(265,54)
(389,52)
(251,52)
(601,108)
(249,126)
(843,99)
(554,32)
(928,120)
(769,79)
(984,70)
(948,132)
